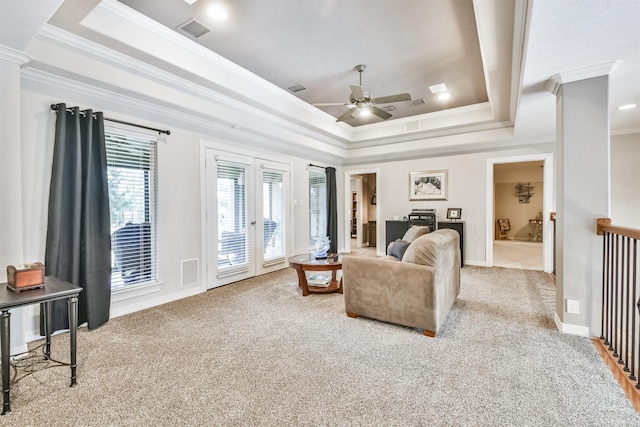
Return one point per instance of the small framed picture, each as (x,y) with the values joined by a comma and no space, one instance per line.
(454,213)
(428,185)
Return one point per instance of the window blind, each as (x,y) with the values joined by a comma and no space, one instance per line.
(131,175)
(317,206)
(274,213)
(232,217)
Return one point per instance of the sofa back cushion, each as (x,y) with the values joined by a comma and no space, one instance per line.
(425,249)
(414,232)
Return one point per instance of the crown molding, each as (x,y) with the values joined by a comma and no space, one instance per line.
(521,24)
(214,61)
(158,75)
(193,122)
(15,56)
(599,70)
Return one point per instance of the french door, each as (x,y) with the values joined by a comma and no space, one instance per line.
(247,216)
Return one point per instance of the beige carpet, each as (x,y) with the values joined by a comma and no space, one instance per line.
(258,353)
(518,254)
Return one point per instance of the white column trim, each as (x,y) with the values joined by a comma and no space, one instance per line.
(559,79)
(12,55)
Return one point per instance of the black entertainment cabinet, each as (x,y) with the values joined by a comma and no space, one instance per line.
(396,229)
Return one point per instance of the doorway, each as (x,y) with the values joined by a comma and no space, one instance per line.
(247,216)
(362,213)
(519,202)
(518,196)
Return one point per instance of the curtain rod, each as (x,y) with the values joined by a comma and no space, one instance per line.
(316,166)
(168,132)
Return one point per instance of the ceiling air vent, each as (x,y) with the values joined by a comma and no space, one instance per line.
(194,28)
(388,108)
(296,88)
(416,102)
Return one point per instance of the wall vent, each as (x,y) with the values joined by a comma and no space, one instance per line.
(189,272)
(416,102)
(194,28)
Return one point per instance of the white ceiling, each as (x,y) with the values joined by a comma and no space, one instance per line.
(496,56)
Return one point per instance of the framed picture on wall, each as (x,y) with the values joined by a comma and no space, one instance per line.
(428,185)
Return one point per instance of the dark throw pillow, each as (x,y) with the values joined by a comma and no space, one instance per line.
(397,248)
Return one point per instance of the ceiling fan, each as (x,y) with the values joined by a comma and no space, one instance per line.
(361,103)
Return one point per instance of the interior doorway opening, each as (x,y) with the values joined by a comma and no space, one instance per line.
(518,206)
(519,203)
(362,214)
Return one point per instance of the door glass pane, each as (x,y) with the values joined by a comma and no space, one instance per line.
(232,215)
(273,208)
(317,206)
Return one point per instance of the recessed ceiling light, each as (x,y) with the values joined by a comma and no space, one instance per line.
(444,95)
(218,12)
(190,1)
(441,87)
(627,107)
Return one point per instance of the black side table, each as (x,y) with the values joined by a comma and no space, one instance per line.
(54,289)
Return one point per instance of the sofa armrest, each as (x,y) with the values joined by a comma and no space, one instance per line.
(392,291)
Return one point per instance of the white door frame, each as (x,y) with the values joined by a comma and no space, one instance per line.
(548,205)
(347,207)
(222,146)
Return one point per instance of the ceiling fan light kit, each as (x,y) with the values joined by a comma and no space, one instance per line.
(362,103)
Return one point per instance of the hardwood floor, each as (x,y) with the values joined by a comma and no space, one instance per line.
(622,377)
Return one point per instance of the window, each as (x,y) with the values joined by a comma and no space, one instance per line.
(317,205)
(274,205)
(232,216)
(131,174)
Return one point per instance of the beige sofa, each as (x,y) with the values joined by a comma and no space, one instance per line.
(417,291)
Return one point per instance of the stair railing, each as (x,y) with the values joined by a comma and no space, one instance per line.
(620,293)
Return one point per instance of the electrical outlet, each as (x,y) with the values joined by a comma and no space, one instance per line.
(573,306)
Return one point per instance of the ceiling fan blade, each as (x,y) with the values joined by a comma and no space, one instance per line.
(328,104)
(357,93)
(346,115)
(393,98)
(379,112)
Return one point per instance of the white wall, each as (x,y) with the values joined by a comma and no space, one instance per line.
(625,180)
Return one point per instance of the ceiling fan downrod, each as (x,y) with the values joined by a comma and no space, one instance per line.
(360,68)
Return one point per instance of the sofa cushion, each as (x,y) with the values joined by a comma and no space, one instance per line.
(414,232)
(398,248)
(423,250)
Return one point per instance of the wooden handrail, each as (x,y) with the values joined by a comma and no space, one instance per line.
(604,225)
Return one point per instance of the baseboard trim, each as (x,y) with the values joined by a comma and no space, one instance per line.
(568,328)
(132,308)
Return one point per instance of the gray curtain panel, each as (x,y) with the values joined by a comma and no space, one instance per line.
(332,209)
(78,234)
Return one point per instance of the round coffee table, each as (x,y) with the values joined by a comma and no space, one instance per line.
(306,262)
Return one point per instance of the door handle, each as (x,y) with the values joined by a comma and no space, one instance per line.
(253,223)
